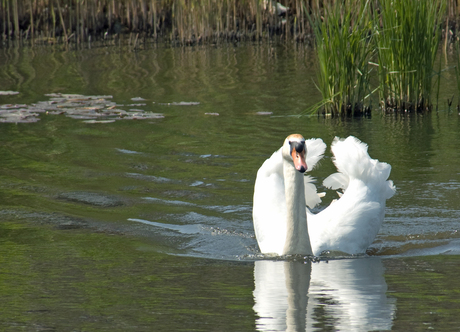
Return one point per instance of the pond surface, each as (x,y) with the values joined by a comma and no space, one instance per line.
(146,224)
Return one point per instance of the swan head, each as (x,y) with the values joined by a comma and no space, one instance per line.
(295,151)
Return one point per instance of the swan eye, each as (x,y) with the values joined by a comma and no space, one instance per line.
(298,146)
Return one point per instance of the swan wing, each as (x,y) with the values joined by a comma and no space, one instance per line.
(315,152)
(345,226)
(312,197)
(336,181)
(351,223)
(353,161)
(269,205)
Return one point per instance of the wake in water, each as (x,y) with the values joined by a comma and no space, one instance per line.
(226,232)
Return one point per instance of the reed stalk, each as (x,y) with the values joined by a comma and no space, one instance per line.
(16,18)
(53,15)
(62,22)
(407,42)
(3,18)
(457,72)
(31,19)
(8,18)
(77,22)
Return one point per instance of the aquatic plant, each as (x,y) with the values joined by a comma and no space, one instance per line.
(344,48)
(407,35)
(89,109)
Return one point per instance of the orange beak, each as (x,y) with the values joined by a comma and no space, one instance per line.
(299,160)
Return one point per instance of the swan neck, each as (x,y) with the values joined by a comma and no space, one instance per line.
(297,238)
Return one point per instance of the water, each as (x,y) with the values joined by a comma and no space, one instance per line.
(146,224)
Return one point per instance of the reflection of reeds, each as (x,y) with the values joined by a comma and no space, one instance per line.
(344,48)
(407,42)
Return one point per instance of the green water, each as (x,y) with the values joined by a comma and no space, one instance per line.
(146,224)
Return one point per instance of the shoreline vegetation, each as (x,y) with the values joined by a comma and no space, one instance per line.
(183,22)
(354,40)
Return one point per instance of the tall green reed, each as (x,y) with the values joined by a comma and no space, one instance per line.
(407,37)
(344,48)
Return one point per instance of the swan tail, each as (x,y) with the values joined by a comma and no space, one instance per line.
(353,162)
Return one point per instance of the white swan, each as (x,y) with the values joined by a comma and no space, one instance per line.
(282,223)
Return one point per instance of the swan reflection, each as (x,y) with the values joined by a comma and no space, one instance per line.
(345,295)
